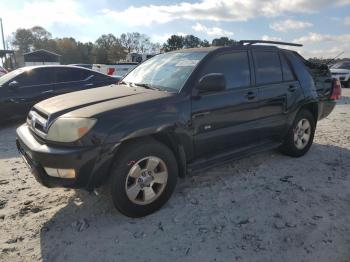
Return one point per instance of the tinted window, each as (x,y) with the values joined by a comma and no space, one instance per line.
(235,67)
(267,67)
(38,76)
(100,77)
(71,74)
(287,71)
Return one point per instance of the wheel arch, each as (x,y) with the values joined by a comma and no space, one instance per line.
(312,107)
(166,138)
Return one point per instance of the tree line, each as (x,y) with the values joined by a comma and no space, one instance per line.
(107,49)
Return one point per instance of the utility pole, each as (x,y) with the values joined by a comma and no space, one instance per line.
(3,40)
(2,34)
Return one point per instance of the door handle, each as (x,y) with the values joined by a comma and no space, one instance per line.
(250,95)
(292,88)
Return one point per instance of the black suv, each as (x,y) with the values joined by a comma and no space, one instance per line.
(178,111)
(24,87)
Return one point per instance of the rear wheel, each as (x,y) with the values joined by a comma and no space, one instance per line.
(143,178)
(300,136)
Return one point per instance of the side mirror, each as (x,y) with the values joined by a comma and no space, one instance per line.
(214,82)
(14,84)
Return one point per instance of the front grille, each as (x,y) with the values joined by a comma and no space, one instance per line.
(37,122)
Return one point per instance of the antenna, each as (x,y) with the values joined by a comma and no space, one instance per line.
(252,42)
(334,58)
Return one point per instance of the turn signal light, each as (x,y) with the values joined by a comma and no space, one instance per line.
(61,173)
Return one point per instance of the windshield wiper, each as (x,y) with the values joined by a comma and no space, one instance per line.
(147,86)
(124,83)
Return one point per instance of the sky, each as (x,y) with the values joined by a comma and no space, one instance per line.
(323,26)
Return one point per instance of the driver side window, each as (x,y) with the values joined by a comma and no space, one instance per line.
(234,66)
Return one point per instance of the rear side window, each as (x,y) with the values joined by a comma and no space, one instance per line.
(267,67)
(287,71)
(71,74)
(235,67)
(100,77)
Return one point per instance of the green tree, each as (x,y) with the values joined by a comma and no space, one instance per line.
(68,49)
(205,43)
(174,42)
(106,41)
(191,41)
(224,41)
(108,49)
(23,40)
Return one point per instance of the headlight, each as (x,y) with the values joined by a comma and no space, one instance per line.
(69,129)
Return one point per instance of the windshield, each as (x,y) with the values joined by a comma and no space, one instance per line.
(5,78)
(167,72)
(342,65)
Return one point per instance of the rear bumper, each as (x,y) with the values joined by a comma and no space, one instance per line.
(86,161)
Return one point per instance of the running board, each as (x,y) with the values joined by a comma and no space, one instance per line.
(223,158)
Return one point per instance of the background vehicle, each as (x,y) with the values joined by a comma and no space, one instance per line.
(341,71)
(2,71)
(22,88)
(183,110)
(117,70)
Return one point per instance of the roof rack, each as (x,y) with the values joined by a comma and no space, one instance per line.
(252,42)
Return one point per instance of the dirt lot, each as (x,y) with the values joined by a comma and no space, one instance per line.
(268,207)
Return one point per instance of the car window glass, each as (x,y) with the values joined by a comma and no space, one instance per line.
(267,67)
(71,74)
(287,71)
(234,66)
(98,76)
(9,77)
(27,78)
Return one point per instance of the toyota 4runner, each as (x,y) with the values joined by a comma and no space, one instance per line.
(178,111)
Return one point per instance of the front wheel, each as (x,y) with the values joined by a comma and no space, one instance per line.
(300,136)
(143,178)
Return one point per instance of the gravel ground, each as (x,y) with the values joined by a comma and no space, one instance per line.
(268,207)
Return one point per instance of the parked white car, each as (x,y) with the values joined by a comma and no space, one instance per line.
(2,71)
(117,70)
(341,71)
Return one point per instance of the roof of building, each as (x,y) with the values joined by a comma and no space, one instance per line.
(41,51)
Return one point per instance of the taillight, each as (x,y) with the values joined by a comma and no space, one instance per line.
(336,90)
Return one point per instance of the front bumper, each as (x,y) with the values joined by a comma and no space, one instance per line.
(88,162)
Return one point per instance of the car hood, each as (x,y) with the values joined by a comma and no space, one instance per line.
(93,101)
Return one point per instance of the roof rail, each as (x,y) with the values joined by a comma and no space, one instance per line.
(252,42)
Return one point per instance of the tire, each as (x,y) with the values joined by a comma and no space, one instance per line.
(292,147)
(130,175)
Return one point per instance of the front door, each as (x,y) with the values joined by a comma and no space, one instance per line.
(31,88)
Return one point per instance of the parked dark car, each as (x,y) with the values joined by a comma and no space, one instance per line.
(178,111)
(24,87)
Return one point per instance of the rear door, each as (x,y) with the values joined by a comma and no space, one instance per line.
(278,92)
(226,120)
(68,79)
